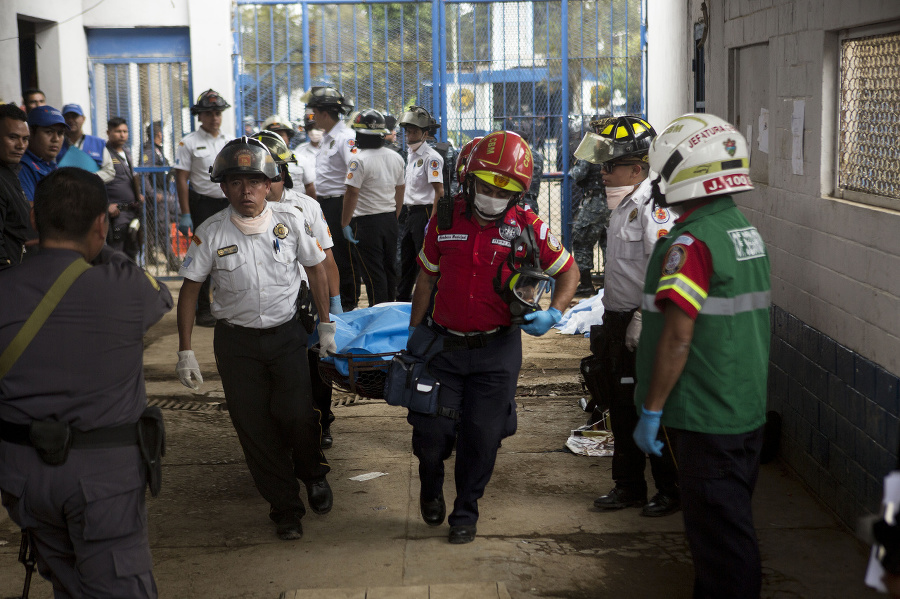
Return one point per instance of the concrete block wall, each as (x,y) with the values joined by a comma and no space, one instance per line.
(835,263)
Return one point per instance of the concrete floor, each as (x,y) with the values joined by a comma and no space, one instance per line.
(538,535)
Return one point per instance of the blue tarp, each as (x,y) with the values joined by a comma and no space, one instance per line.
(379,329)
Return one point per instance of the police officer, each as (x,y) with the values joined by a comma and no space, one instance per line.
(124,191)
(337,150)
(703,355)
(193,158)
(84,510)
(303,173)
(252,250)
(15,228)
(283,191)
(375,186)
(482,351)
(634,226)
(590,225)
(424,186)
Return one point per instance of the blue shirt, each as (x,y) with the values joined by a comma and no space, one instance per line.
(33,169)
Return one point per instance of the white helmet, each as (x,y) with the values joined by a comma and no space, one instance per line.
(700,155)
(276,123)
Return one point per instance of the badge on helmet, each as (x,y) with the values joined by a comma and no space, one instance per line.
(369,122)
(502,159)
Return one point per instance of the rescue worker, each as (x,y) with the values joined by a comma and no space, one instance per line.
(306,152)
(337,150)
(283,191)
(481,355)
(71,472)
(620,148)
(252,249)
(375,188)
(304,173)
(193,158)
(703,355)
(424,187)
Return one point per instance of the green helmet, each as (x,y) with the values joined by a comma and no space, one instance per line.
(244,156)
(279,150)
(419,117)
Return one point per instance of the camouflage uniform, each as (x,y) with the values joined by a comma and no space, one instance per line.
(593,216)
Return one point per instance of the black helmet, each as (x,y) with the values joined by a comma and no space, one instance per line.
(370,122)
(617,137)
(309,121)
(244,155)
(277,148)
(209,100)
(419,117)
(327,98)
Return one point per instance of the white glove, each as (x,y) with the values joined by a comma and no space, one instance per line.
(188,370)
(633,332)
(326,338)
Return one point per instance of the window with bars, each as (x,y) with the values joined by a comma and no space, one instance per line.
(868,165)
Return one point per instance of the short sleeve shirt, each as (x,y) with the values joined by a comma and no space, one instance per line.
(303,173)
(689,259)
(338,148)
(424,167)
(634,227)
(467,257)
(376,173)
(196,153)
(255,277)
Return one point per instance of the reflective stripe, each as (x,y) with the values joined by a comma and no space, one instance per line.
(431,267)
(554,268)
(722,306)
(686,288)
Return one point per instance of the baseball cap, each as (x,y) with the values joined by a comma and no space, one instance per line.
(45,116)
(76,108)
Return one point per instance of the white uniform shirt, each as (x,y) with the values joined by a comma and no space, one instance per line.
(634,227)
(376,173)
(424,167)
(337,150)
(255,277)
(196,153)
(313,215)
(302,173)
(306,155)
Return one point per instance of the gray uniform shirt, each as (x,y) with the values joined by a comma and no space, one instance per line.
(85,365)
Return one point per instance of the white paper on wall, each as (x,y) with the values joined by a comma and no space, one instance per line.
(797,119)
(763,140)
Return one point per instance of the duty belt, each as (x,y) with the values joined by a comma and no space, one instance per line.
(340,197)
(457,340)
(611,317)
(252,331)
(111,436)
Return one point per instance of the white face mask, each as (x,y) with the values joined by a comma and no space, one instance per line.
(315,135)
(415,146)
(615,195)
(252,225)
(490,208)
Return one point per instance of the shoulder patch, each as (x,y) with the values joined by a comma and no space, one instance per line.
(187,261)
(353,165)
(674,260)
(196,240)
(434,164)
(662,233)
(660,215)
(553,242)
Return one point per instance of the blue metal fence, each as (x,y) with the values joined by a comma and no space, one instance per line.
(544,68)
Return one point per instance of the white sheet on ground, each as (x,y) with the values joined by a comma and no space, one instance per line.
(578,319)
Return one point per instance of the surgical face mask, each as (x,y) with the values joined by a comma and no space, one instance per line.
(615,195)
(252,225)
(415,146)
(315,135)
(488,207)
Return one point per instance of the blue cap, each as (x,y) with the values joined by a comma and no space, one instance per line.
(45,116)
(76,108)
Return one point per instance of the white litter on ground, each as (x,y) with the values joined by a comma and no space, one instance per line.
(368,476)
(595,444)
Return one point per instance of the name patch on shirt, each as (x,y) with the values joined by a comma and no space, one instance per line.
(225,251)
(503,242)
(747,243)
(453,237)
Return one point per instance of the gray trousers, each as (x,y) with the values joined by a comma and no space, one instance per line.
(87,519)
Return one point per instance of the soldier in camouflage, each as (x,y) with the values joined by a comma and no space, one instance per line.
(590,225)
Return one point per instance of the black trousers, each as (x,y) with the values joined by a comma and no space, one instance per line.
(617,384)
(119,236)
(332,208)
(202,207)
(717,475)
(413,221)
(267,389)
(374,257)
(321,392)
(481,385)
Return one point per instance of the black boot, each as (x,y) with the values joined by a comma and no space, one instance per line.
(585,285)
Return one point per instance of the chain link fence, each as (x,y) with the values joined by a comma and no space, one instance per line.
(870,116)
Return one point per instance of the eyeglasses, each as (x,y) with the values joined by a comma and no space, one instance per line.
(607,167)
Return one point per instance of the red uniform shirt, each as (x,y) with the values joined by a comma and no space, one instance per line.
(466,258)
(692,260)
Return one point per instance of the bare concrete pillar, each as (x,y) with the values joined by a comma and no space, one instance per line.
(669,75)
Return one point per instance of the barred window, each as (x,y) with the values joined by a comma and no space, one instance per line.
(869,127)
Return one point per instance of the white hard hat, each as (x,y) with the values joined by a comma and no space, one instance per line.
(276,123)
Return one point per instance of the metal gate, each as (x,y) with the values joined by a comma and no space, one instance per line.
(543,68)
(153,94)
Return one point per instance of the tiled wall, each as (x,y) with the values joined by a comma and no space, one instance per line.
(839,416)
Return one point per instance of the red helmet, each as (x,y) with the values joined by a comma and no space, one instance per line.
(502,159)
(463,156)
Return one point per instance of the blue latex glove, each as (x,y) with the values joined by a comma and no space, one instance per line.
(540,322)
(185,224)
(646,430)
(348,235)
(334,305)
